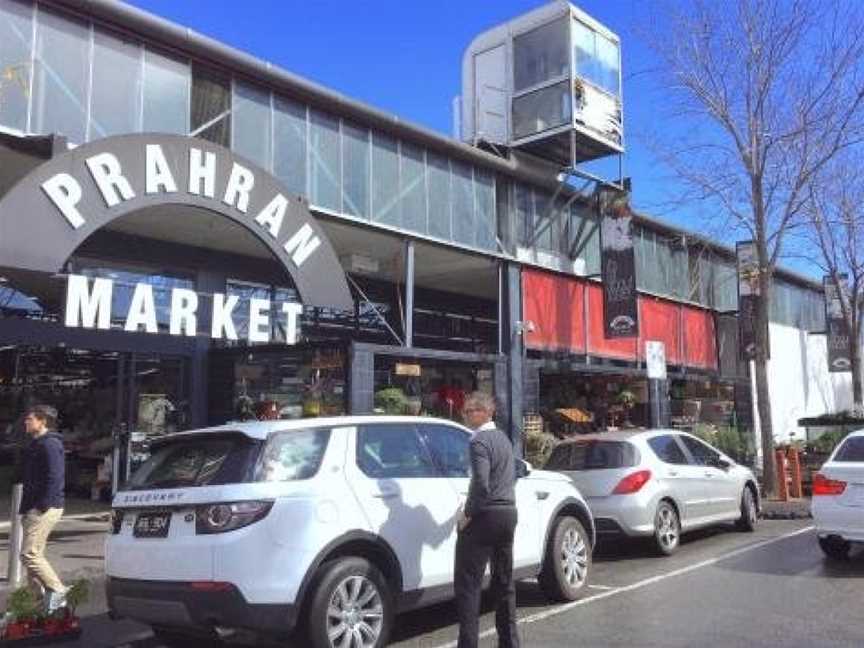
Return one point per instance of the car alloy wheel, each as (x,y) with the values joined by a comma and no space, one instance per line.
(749,514)
(355,615)
(574,558)
(667,531)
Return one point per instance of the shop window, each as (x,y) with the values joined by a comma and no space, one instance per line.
(449,448)
(439,196)
(16,37)
(385,176)
(166,94)
(355,171)
(252,124)
(289,145)
(412,182)
(326,159)
(211,106)
(463,204)
(668,450)
(115,107)
(393,452)
(61,76)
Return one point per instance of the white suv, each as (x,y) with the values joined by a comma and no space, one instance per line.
(336,523)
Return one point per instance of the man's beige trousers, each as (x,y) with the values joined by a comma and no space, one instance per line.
(37,527)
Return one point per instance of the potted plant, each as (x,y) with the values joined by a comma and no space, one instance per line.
(391,400)
(23,612)
(77,595)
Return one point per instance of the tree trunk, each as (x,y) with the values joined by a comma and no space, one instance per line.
(763,395)
(855,358)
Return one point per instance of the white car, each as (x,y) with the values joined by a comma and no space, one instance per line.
(838,498)
(339,523)
(657,484)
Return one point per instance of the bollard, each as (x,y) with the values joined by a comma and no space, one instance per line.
(797,490)
(16,539)
(782,485)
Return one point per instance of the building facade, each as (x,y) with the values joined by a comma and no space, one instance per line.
(340,260)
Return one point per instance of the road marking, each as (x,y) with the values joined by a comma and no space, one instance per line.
(76,516)
(545,614)
(600,587)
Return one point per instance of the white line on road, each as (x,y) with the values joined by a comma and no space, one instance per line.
(600,587)
(545,614)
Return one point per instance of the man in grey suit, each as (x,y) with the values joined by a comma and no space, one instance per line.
(486,527)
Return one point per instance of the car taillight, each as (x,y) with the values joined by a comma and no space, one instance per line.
(116,520)
(824,486)
(632,483)
(218,518)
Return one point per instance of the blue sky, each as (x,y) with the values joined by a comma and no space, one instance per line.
(405,58)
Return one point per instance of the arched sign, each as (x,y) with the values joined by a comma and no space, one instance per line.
(55,208)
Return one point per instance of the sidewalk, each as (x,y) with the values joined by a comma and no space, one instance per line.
(74,507)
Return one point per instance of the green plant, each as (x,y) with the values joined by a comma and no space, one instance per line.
(538,446)
(626,398)
(77,594)
(827,441)
(391,400)
(22,604)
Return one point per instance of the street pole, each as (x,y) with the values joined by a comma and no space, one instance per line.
(16,538)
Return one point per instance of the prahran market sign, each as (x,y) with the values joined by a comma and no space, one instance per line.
(47,215)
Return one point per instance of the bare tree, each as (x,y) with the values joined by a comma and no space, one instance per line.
(835,214)
(763,94)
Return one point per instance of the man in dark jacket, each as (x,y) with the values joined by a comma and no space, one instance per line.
(486,528)
(43,474)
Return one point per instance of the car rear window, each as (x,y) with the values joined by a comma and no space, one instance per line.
(593,455)
(200,460)
(851,450)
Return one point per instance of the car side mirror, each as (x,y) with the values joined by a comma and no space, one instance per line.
(523,468)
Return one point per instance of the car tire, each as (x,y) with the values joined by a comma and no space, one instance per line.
(359,592)
(667,529)
(835,548)
(567,563)
(175,639)
(749,513)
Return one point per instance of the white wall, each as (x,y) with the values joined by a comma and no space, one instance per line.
(799,381)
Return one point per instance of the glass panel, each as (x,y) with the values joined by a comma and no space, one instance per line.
(541,55)
(289,141)
(463,204)
(115,106)
(486,223)
(326,174)
(291,456)
(596,58)
(252,130)
(385,176)
(541,110)
(602,455)
(541,229)
(355,189)
(413,189)
(607,63)
(393,451)
(449,448)
(439,195)
(703,455)
(166,94)
(211,106)
(583,237)
(61,76)
(524,214)
(667,450)
(852,450)
(16,36)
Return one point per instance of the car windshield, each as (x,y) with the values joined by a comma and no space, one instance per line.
(199,460)
(593,455)
(852,450)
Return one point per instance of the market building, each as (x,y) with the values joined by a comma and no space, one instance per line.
(188,234)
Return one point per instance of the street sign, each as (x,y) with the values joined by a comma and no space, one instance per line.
(655,359)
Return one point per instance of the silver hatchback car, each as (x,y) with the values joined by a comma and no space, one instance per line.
(657,483)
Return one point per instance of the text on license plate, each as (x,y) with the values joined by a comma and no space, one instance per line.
(152,525)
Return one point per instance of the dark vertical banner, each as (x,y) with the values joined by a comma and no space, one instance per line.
(749,296)
(839,347)
(618,265)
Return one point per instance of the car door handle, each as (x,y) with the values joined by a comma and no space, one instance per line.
(541,495)
(386,494)
(709,474)
(673,473)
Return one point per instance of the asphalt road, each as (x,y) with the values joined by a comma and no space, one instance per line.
(769,588)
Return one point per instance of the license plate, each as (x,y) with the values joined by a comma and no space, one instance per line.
(152,525)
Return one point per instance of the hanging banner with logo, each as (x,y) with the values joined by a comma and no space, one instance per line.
(839,351)
(749,296)
(618,265)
